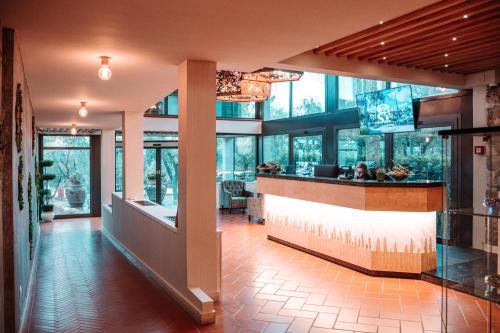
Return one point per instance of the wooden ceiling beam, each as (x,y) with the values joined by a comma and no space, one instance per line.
(486,54)
(461,46)
(472,64)
(439,6)
(401,35)
(425,43)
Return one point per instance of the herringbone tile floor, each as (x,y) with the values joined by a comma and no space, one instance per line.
(85,285)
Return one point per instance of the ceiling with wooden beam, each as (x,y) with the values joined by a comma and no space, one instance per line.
(451,36)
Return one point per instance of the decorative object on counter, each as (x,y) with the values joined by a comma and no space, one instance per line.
(30,215)
(19,118)
(272,75)
(269,167)
(20,178)
(234,195)
(75,192)
(47,210)
(380,174)
(230,87)
(398,172)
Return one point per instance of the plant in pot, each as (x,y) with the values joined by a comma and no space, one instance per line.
(75,192)
(46,209)
(269,167)
(380,173)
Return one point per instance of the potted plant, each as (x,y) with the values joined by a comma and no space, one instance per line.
(152,178)
(151,187)
(46,209)
(75,192)
(380,173)
(398,172)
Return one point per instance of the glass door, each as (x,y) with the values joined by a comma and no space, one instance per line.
(169,175)
(161,173)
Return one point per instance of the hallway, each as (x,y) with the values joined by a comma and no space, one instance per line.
(85,285)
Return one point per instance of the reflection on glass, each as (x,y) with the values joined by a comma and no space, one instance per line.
(118,169)
(419,91)
(275,149)
(308,95)
(307,152)
(421,151)
(354,148)
(349,87)
(278,104)
(70,190)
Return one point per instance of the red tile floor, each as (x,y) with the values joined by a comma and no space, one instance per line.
(85,285)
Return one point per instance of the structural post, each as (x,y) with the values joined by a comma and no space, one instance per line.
(197,219)
(107,165)
(133,155)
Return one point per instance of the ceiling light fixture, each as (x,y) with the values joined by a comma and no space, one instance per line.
(83,112)
(272,75)
(73,129)
(446,65)
(380,22)
(382,43)
(466,16)
(446,54)
(454,39)
(384,58)
(104,71)
(231,87)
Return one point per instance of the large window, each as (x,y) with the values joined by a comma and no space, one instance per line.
(354,148)
(307,152)
(236,158)
(118,169)
(418,91)
(275,149)
(421,151)
(349,87)
(278,104)
(70,191)
(308,95)
(235,110)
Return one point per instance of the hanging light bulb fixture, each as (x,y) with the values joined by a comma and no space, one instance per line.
(104,71)
(272,75)
(83,112)
(73,129)
(230,87)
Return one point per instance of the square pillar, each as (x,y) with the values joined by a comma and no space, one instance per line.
(107,165)
(197,192)
(133,155)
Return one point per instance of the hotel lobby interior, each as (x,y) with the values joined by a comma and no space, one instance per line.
(274,166)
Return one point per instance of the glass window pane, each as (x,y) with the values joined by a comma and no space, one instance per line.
(235,110)
(66,141)
(278,104)
(172,104)
(275,149)
(118,169)
(244,158)
(160,136)
(169,176)
(418,91)
(225,158)
(150,174)
(70,190)
(307,152)
(349,87)
(354,148)
(421,151)
(308,94)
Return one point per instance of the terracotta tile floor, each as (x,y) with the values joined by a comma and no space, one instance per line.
(84,284)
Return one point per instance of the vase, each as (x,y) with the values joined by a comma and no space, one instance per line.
(75,195)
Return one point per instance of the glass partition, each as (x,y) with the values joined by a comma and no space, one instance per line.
(353,148)
(307,152)
(70,191)
(275,149)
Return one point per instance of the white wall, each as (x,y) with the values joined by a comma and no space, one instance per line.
(222,125)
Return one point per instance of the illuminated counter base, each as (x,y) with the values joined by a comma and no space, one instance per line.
(384,242)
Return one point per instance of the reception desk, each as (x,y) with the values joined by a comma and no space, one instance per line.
(383,229)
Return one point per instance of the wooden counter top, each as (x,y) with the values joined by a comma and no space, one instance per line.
(363,195)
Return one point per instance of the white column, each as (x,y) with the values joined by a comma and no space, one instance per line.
(197,219)
(133,155)
(107,165)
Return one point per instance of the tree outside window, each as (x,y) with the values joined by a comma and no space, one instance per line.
(354,148)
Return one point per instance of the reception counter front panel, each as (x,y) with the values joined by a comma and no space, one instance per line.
(341,222)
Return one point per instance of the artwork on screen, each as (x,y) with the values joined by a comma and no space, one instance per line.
(386,111)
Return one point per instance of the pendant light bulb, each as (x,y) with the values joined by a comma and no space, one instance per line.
(73,129)
(83,112)
(104,71)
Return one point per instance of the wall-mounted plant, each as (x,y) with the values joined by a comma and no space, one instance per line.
(20,177)
(19,118)
(45,193)
(30,215)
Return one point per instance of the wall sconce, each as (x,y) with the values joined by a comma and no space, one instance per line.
(104,71)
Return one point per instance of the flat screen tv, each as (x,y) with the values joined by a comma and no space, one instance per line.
(386,111)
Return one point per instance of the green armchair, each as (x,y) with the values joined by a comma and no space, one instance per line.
(234,195)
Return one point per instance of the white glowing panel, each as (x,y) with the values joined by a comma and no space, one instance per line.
(380,231)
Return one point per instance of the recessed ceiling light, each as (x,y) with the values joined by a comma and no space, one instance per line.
(466,16)
(380,22)
(83,112)
(446,65)
(384,58)
(382,43)
(446,54)
(454,39)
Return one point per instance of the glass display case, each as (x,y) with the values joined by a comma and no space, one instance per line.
(470,270)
